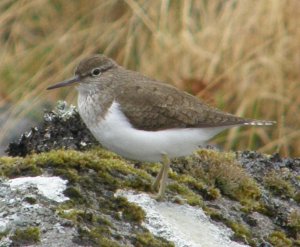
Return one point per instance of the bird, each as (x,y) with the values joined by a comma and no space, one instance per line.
(144,119)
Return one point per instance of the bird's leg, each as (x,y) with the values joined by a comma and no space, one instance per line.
(155,185)
(163,177)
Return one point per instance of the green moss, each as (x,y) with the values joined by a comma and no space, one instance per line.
(103,221)
(297,197)
(8,161)
(74,194)
(101,173)
(213,193)
(3,234)
(27,236)
(96,171)
(130,211)
(110,168)
(147,239)
(151,168)
(98,228)
(258,206)
(240,230)
(15,167)
(70,214)
(214,214)
(279,186)
(196,185)
(294,223)
(138,182)
(188,180)
(224,172)
(213,173)
(92,229)
(86,217)
(192,198)
(70,174)
(279,239)
(98,236)
(122,209)
(296,243)
(78,216)
(30,199)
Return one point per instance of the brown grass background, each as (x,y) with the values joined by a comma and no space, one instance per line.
(241,56)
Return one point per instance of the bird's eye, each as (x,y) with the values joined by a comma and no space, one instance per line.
(96,72)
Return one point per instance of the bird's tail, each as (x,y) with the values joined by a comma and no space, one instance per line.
(259,122)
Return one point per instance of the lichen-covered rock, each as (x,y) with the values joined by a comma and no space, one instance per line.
(62,128)
(256,195)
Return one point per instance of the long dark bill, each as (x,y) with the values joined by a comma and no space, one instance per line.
(65,83)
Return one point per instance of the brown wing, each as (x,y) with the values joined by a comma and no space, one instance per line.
(155,106)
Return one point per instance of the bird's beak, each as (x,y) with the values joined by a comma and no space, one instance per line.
(67,82)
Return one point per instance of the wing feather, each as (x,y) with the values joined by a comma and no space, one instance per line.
(156,106)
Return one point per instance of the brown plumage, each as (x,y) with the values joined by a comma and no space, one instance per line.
(153,105)
(157,106)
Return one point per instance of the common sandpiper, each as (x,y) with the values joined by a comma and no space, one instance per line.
(144,119)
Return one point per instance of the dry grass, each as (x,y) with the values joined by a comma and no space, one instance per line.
(243,54)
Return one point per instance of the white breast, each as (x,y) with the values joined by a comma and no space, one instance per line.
(116,134)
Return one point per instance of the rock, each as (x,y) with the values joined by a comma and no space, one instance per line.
(255,195)
(62,128)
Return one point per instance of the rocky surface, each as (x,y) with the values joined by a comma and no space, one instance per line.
(61,128)
(28,216)
(255,195)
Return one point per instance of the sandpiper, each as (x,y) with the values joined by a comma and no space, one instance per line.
(144,119)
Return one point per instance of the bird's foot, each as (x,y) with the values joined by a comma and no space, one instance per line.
(155,185)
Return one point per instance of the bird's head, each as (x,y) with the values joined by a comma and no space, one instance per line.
(89,71)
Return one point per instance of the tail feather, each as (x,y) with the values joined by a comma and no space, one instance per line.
(259,122)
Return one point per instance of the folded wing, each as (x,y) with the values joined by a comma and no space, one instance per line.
(155,106)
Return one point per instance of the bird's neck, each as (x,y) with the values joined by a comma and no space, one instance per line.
(93,103)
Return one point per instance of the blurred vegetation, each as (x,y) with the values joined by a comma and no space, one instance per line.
(241,56)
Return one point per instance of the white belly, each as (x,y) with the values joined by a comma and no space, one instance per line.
(116,134)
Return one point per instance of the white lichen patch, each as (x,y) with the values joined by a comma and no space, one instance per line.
(29,202)
(50,187)
(184,225)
